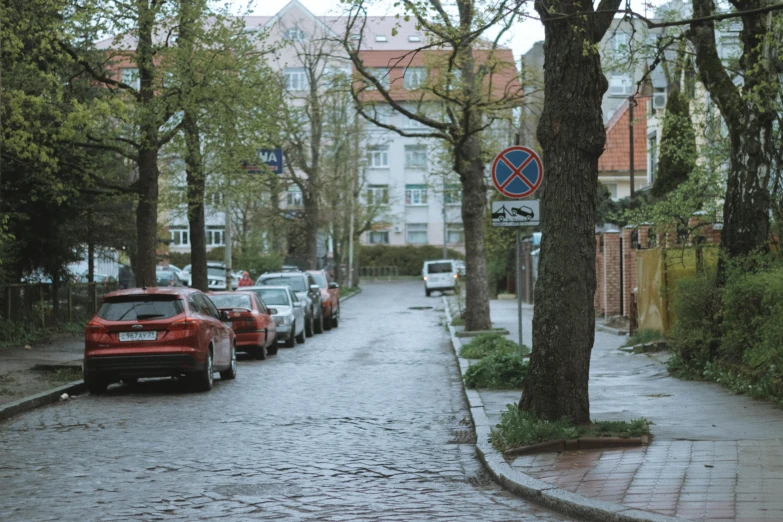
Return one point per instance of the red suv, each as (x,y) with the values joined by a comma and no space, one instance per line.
(330,298)
(157,332)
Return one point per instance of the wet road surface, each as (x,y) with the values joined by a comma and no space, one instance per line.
(366,422)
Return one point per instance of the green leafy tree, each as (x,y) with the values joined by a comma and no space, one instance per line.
(677,155)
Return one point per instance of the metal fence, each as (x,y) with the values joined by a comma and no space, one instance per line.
(36,302)
(379,271)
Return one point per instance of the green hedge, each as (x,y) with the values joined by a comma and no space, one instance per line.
(489,344)
(734,334)
(408,259)
(497,371)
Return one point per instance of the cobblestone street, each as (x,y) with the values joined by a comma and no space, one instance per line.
(366,422)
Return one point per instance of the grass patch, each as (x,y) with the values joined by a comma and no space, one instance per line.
(497,371)
(458,321)
(346,291)
(19,333)
(520,428)
(489,344)
(644,337)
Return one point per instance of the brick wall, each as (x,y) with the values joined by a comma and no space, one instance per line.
(629,268)
(612,266)
(598,301)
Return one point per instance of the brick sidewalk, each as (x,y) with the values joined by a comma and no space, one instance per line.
(714,456)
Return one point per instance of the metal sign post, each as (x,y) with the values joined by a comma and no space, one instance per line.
(517,172)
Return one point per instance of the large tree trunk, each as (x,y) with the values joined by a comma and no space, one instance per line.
(749,118)
(196,185)
(474,203)
(311,218)
(468,164)
(572,136)
(147,209)
(147,218)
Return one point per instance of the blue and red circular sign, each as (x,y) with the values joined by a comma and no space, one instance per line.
(517,172)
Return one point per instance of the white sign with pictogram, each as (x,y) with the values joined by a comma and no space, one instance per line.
(525,213)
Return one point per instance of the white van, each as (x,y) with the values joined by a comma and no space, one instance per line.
(439,275)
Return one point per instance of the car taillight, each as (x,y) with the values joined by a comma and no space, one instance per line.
(188,323)
(94,327)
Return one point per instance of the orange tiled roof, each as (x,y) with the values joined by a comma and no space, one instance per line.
(616,152)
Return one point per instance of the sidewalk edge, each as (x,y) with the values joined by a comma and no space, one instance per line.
(538,491)
(343,299)
(40,399)
(609,329)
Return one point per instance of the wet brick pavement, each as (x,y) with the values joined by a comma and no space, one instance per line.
(366,422)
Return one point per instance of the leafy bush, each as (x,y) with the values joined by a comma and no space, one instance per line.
(520,428)
(695,336)
(14,333)
(488,344)
(408,259)
(497,371)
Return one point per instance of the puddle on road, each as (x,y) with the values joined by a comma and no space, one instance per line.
(419,308)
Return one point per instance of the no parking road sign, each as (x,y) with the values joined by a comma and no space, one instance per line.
(517,172)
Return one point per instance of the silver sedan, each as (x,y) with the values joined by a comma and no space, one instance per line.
(290,316)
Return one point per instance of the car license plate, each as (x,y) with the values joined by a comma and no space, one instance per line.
(139,336)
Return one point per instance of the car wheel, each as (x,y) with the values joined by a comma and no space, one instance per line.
(231,372)
(328,322)
(131,381)
(301,337)
(335,321)
(272,350)
(202,381)
(426,291)
(309,327)
(290,342)
(260,352)
(95,384)
(319,325)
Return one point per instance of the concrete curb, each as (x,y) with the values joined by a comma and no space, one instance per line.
(609,329)
(343,299)
(531,488)
(40,399)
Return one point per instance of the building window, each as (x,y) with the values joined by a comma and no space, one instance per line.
(295,79)
(453,194)
(216,199)
(379,238)
(215,236)
(378,157)
(381,38)
(620,85)
(410,123)
(415,194)
(179,236)
(381,114)
(454,78)
(612,187)
(620,41)
(379,73)
(417,233)
(416,156)
(455,235)
(414,38)
(652,154)
(377,194)
(131,77)
(294,34)
(293,196)
(414,77)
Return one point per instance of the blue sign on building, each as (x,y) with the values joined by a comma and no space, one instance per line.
(272,158)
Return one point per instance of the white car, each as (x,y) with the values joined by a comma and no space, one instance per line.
(216,277)
(439,275)
(290,318)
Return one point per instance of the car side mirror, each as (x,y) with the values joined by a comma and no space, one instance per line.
(272,311)
(315,288)
(333,286)
(224,315)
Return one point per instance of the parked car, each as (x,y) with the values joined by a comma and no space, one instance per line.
(330,298)
(184,274)
(251,320)
(157,332)
(216,277)
(459,266)
(170,268)
(306,290)
(290,318)
(439,275)
(168,278)
(96,277)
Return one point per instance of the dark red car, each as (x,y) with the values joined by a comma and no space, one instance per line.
(256,331)
(330,297)
(158,332)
